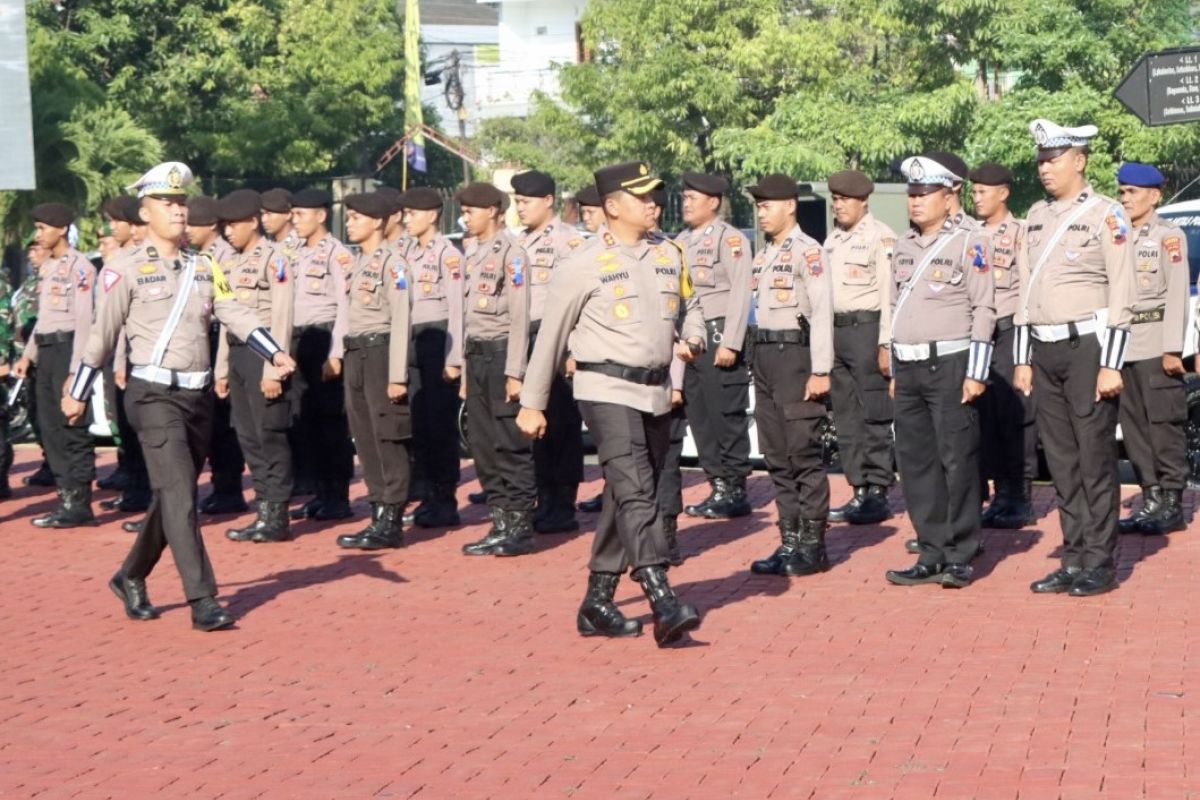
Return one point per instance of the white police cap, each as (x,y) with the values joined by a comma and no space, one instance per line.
(922,171)
(1052,136)
(169,179)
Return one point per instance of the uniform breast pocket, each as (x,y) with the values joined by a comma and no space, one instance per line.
(486,299)
(1002,276)
(539,275)
(668,303)
(783,290)
(623,310)
(369,294)
(857,272)
(153,298)
(315,280)
(703,272)
(1151,280)
(430,287)
(1080,250)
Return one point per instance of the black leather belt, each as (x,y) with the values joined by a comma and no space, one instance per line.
(1005,324)
(316,326)
(1153,315)
(847,318)
(481,346)
(55,337)
(361,341)
(763,336)
(646,376)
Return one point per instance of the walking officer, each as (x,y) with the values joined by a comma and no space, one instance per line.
(59,337)
(615,303)
(793,354)
(860,256)
(1153,406)
(163,297)
(557,456)
(376,321)
(261,411)
(1077,288)
(1008,436)
(496,311)
(939,326)
(319,434)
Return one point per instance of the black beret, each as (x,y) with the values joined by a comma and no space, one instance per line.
(238,205)
(990,173)
(949,161)
(588,196)
(371,204)
(631,176)
(712,185)
(851,183)
(774,187)
(56,215)
(312,198)
(481,195)
(202,210)
(124,208)
(533,184)
(423,198)
(277,200)
(659,196)
(393,196)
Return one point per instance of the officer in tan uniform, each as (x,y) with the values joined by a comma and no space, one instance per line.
(262,414)
(591,208)
(376,321)
(793,355)
(859,250)
(558,456)
(939,326)
(1077,289)
(395,234)
(435,268)
(614,303)
(319,435)
(1153,405)
(1008,436)
(276,216)
(55,346)
(164,297)
(496,322)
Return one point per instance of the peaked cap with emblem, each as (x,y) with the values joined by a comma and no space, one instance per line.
(924,175)
(1053,139)
(169,179)
(629,176)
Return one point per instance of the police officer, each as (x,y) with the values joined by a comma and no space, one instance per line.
(558,456)
(793,355)
(7,337)
(261,410)
(1077,286)
(395,235)
(376,321)
(435,271)
(276,216)
(859,250)
(225,454)
(25,309)
(1008,436)
(163,297)
(496,311)
(1153,406)
(939,325)
(591,208)
(63,324)
(616,300)
(319,434)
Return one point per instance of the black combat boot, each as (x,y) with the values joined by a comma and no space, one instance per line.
(599,615)
(561,516)
(999,505)
(1152,497)
(732,504)
(670,524)
(498,533)
(839,514)
(276,527)
(132,593)
(720,488)
(873,509)
(518,540)
(74,510)
(789,535)
(441,511)
(247,533)
(208,615)
(672,619)
(1169,517)
(388,531)
(810,557)
(353,540)
(335,501)
(42,477)
(1018,512)
(135,499)
(310,509)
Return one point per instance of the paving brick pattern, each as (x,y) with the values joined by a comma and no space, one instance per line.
(424,673)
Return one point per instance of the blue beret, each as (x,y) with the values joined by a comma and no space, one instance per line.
(1133,174)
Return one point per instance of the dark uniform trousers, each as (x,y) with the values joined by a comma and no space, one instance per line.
(320,438)
(1079,440)
(6,448)
(789,430)
(861,406)
(224,454)
(937,452)
(261,426)
(435,405)
(503,456)
(174,427)
(1008,435)
(558,456)
(670,480)
(1153,413)
(632,447)
(382,429)
(129,457)
(68,446)
(716,400)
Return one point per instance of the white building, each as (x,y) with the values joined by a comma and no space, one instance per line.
(465,33)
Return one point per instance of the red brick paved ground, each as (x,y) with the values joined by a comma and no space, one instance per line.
(421,672)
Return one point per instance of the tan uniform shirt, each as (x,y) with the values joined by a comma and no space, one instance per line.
(618,303)
(139,291)
(722,268)
(1006,274)
(64,301)
(545,248)
(377,291)
(860,264)
(497,298)
(436,271)
(1162,290)
(261,282)
(791,280)
(320,286)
